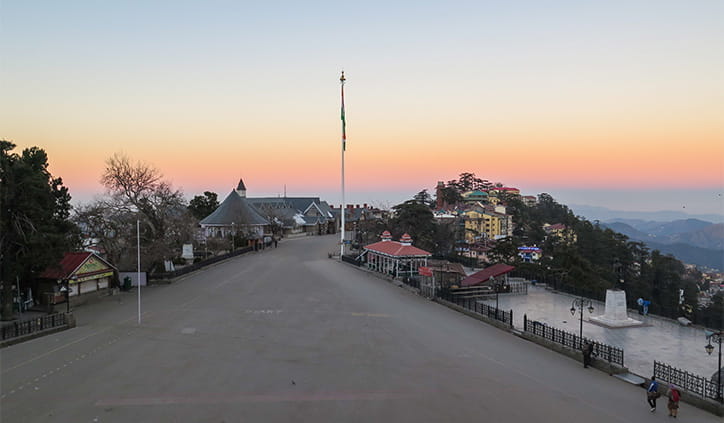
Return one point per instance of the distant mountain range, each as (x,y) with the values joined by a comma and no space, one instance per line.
(603,214)
(692,239)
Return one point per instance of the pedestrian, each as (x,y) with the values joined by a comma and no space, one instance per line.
(652,393)
(587,352)
(674,397)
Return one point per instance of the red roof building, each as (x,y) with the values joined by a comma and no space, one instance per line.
(495,271)
(395,258)
(82,272)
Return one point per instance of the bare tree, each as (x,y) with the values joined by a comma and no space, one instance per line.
(138,191)
(107,228)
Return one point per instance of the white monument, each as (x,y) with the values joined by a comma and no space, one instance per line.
(188,253)
(615,315)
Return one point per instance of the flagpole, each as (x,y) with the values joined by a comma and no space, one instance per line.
(138,261)
(344,141)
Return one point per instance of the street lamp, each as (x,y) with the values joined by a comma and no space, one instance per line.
(580,304)
(716,337)
(66,292)
(233,233)
(496,286)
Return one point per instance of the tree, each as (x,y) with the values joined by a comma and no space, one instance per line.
(417,220)
(450,195)
(423,197)
(138,188)
(468,182)
(112,230)
(34,226)
(203,205)
(713,315)
(505,251)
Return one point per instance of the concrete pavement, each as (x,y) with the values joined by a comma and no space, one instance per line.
(658,339)
(290,335)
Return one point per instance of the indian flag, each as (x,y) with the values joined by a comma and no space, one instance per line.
(344,121)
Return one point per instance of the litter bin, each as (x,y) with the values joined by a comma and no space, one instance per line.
(127,283)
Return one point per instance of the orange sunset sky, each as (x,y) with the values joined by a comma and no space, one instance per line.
(614,104)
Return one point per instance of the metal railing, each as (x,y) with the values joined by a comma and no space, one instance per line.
(689,382)
(603,351)
(519,288)
(30,326)
(474,305)
(196,266)
(413,282)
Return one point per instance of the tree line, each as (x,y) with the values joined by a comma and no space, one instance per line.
(38,224)
(588,262)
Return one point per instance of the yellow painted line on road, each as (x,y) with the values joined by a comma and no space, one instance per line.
(369,314)
(64,346)
(232,398)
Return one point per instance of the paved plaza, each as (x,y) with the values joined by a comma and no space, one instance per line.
(659,339)
(290,335)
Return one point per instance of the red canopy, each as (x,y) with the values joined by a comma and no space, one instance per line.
(484,275)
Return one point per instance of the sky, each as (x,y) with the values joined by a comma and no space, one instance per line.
(616,104)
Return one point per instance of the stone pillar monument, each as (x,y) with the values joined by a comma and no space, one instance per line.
(615,315)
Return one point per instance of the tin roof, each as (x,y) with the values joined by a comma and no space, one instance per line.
(484,275)
(396,249)
(235,209)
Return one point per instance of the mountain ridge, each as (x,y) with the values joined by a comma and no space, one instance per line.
(594,213)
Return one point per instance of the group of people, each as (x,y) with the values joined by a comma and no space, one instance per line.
(673,394)
(652,393)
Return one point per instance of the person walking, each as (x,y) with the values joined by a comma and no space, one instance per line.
(674,397)
(587,352)
(652,393)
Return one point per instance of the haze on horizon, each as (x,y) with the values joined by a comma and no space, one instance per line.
(616,104)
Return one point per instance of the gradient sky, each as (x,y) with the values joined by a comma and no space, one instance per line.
(562,97)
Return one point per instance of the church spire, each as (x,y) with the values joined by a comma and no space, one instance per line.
(241,189)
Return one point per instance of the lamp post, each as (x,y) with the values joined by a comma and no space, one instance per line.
(233,234)
(66,293)
(716,338)
(580,304)
(496,286)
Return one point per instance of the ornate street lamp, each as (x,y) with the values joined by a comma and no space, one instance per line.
(716,338)
(580,304)
(66,293)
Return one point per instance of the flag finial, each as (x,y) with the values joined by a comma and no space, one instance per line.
(342,78)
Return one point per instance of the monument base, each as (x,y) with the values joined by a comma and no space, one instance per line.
(616,314)
(629,322)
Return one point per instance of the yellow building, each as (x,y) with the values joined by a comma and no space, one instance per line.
(480,225)
(560,231)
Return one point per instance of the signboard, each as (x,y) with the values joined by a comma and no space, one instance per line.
(88,278)
(91,265)
(424,271)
